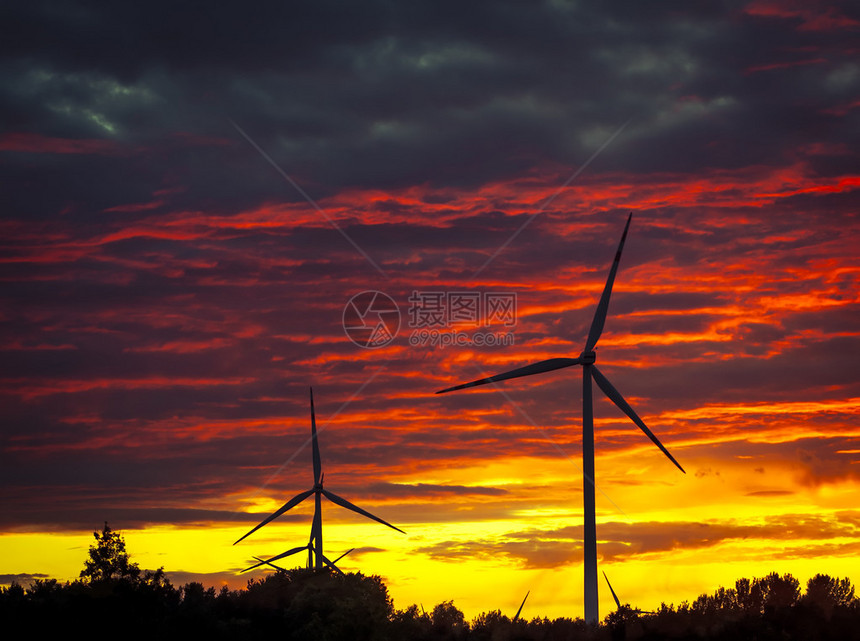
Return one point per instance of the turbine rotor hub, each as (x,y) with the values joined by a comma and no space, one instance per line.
(588,358)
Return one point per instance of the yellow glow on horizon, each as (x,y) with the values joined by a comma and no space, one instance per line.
(477,558)
(417,578)
(60,555)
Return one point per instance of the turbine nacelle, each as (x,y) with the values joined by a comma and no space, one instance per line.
(587,358)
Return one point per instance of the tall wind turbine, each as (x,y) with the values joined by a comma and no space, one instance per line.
(315,544)
(589,371)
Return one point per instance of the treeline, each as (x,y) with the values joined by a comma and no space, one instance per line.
(114,598)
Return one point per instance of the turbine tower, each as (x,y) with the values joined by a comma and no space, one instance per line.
(315,544)
(589,372)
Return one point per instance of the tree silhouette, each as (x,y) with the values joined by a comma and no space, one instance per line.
(411,623)
(749,596)
(108,559)
(447,618)
(779,592)
(827,593)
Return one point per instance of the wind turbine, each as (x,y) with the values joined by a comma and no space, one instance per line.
(315,544)
(589,372)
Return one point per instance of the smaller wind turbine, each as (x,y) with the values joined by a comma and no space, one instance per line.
(617,602)
(315,544)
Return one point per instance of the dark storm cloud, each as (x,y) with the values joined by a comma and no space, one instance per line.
(386,95)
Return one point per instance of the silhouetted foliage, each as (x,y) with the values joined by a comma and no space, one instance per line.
(410,624)
(828,594)
(108,559)
(114,594)
(490,626)
(448,620)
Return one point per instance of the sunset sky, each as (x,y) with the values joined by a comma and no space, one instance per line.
(191,196)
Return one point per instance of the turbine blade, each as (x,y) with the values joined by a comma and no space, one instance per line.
(334,498)
(287,553)
(253,567)
(603,306)
(277,567)
(332,565)
(534,368)
(615,396)
(517,615)
(617,602)
(298,498)
(343,555)
(275,558)
(315,444)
